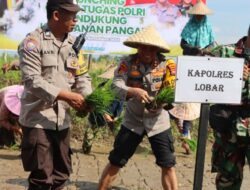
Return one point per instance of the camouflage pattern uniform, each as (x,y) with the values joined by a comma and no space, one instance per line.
(231,130)
(96,124)
(91,131)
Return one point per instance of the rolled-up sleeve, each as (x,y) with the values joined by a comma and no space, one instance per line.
(119,81)
(31,68)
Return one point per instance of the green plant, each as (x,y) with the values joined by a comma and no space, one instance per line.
(101,98)
(191,143)
(14,147)
(9,78)
(164,97)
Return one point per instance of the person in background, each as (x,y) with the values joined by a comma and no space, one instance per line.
(13,65)
(197,39)
(166,12)
(183,115)
(9,113)
(184,6)
(97,120)
(49,68)
(231,126)
(138,78)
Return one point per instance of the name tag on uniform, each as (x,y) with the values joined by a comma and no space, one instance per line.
(156,79)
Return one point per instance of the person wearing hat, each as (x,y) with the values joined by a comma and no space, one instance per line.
(197,37)
(230,124)
(137,79)
(49,68)
(183,114)
(9,113)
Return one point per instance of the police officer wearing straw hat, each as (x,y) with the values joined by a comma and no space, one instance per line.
(137,79)
(49,68)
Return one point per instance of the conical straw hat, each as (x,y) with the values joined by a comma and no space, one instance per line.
(186,111)
(200,8)
(12,98)
(148,36)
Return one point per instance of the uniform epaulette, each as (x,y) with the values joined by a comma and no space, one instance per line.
(35,32)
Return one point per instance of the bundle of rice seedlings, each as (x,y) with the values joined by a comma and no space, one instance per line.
(99,100)
(164,97)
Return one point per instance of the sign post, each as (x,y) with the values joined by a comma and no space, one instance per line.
(207,80)
(201,147)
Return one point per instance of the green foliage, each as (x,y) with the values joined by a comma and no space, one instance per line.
(101,98)
(14,147)
(191,143)
(166,95)
(9,78)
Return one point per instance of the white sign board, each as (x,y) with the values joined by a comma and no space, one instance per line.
(209,79)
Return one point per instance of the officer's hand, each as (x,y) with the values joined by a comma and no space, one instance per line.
(75,100)
(108,118)
(246,72)
(139,94)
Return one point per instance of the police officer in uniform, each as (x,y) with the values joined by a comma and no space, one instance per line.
(49,67)
(138,78)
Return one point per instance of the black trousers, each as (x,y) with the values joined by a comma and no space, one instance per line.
(47,155)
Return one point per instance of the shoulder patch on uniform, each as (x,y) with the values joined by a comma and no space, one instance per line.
(30,44)
(171,66)
(123,68)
